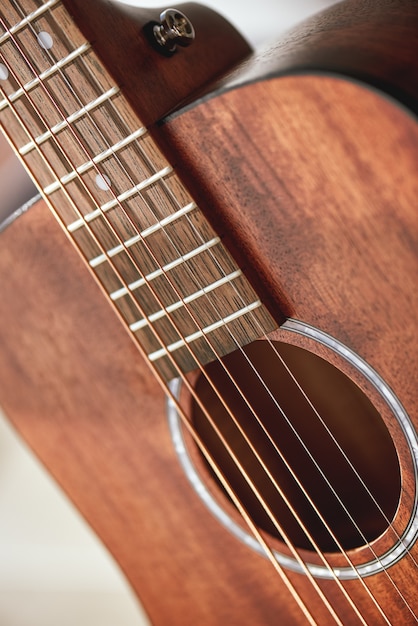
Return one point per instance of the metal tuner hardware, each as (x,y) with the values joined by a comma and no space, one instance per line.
(175,29)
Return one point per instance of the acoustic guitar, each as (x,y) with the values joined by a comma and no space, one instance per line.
(209,323)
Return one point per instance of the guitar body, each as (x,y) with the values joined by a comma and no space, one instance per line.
(109,445)
(310,179)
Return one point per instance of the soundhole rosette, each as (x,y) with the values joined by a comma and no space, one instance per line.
(216,506)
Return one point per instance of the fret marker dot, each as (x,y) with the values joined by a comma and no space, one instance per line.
(4,72)
(45,40)
(103,182)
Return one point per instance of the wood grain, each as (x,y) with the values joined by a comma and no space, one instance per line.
(73,127)
(311,181)
(100,439)
(374,42)
(332,223)
(339,169)
(153,83)
(96,418)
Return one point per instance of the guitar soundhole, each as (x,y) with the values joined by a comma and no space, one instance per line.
(338,457)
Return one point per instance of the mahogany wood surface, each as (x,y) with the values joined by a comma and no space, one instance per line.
(374,41)
(153,83)
(77,389)
(107,140)
(334,214)
(311,181)
(108,446)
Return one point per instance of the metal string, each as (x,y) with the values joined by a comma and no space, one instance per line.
(272,345)
(163,384)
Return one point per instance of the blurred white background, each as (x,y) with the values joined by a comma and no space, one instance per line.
(52,569)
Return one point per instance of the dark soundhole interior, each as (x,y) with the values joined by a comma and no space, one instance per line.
(342,498)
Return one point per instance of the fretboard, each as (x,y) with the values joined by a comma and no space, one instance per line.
(178,290)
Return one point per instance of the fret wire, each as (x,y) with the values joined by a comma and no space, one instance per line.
(201,333)
(89,217)
(12,30)
(90,194)
(67,121)
(202,446)
(165,268)
(181,212)
(109,206)
(46,74)
(246,517)
(137,238)
(163,181)
(104,208)
(161,271)
(238,294)
(91,233)
(81,252)
(82,169)
(180,303)
(117,200)
(280,568)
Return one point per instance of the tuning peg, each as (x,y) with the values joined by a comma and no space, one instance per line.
(175,29)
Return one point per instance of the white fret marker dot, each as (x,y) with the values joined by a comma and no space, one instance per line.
(4,72)
(45,40)
(103,182)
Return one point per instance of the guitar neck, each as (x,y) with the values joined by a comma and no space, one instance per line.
(306,441)
(181,296)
